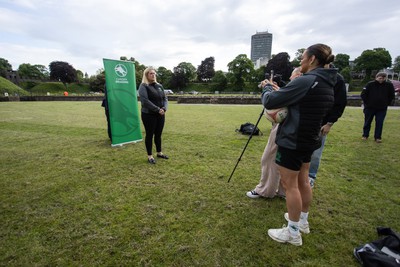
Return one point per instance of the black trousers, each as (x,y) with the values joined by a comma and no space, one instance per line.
(369,114)
(107,112)
(154,125)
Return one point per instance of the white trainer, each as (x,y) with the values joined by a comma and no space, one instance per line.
(282,235)
(303,227)
(253,194)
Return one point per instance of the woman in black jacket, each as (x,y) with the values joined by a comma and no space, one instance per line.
(307,98)
(154,106)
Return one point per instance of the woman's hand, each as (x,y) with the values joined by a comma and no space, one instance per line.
(268,82)
(161,112)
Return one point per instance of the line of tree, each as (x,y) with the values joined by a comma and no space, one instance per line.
(241,70)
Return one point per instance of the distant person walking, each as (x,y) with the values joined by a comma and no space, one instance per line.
(377,95)
(154,106)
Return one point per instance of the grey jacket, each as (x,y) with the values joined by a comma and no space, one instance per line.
(153,98)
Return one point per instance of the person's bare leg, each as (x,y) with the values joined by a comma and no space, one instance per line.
(289,180)
(291,233)
(304,187)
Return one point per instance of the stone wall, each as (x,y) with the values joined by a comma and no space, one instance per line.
(354,101)
(218,100)
(50,98)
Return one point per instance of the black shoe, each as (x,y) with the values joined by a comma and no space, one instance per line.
(151,161)
(162,156)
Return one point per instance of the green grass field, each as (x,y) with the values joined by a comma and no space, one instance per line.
(69,199)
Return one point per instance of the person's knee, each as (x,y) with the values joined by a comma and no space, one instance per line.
(288,183)
(284,184)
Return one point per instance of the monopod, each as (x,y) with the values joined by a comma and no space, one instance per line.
(248,141)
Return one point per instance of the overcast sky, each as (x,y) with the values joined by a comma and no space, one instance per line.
(167,32)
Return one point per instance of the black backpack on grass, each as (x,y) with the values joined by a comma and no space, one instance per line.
(248,128)
(384,252)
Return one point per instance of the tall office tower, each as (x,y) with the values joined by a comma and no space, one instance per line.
(261,46)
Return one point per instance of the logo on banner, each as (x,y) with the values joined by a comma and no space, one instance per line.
(121,72)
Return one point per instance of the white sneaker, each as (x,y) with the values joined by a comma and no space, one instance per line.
(282,235)
(252,194)
(303,227)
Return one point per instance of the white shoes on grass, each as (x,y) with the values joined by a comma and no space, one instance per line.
(253,194)
(282,235)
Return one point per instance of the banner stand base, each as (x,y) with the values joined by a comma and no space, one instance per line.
(130,142)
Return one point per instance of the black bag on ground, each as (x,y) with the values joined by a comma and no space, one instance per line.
(384,252)
(247,128)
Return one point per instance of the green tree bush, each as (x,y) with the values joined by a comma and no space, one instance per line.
(346,73)
(373,60)
(35,72)
(164,76)
(396,64)
(63,72)
(206,71)
(183,74)
(4,67)
(240,70)
(297,58)
(341,61)
(96,83)
(219,81)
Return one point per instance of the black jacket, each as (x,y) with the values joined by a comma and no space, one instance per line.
(377,95)
(104,103)
(308,98)
(340,95)
(153,98)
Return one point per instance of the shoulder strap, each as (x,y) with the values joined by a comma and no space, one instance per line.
(387,231)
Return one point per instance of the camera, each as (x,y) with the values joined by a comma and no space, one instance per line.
(276,79)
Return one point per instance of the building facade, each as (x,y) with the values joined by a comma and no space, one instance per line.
(13,76)
(261,46)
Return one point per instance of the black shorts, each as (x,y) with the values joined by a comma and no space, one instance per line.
(292,159)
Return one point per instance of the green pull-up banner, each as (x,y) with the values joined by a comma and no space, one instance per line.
(122,102)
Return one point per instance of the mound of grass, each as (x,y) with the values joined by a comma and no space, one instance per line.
(51,87)
(58,88)
(78,88)
(8,87)
(28,85)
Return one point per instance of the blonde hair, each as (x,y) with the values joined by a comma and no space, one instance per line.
(295,73)
(145,72)
(297,70)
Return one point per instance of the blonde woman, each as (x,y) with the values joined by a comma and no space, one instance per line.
(154,106)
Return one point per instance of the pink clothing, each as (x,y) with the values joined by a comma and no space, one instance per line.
(269,185)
